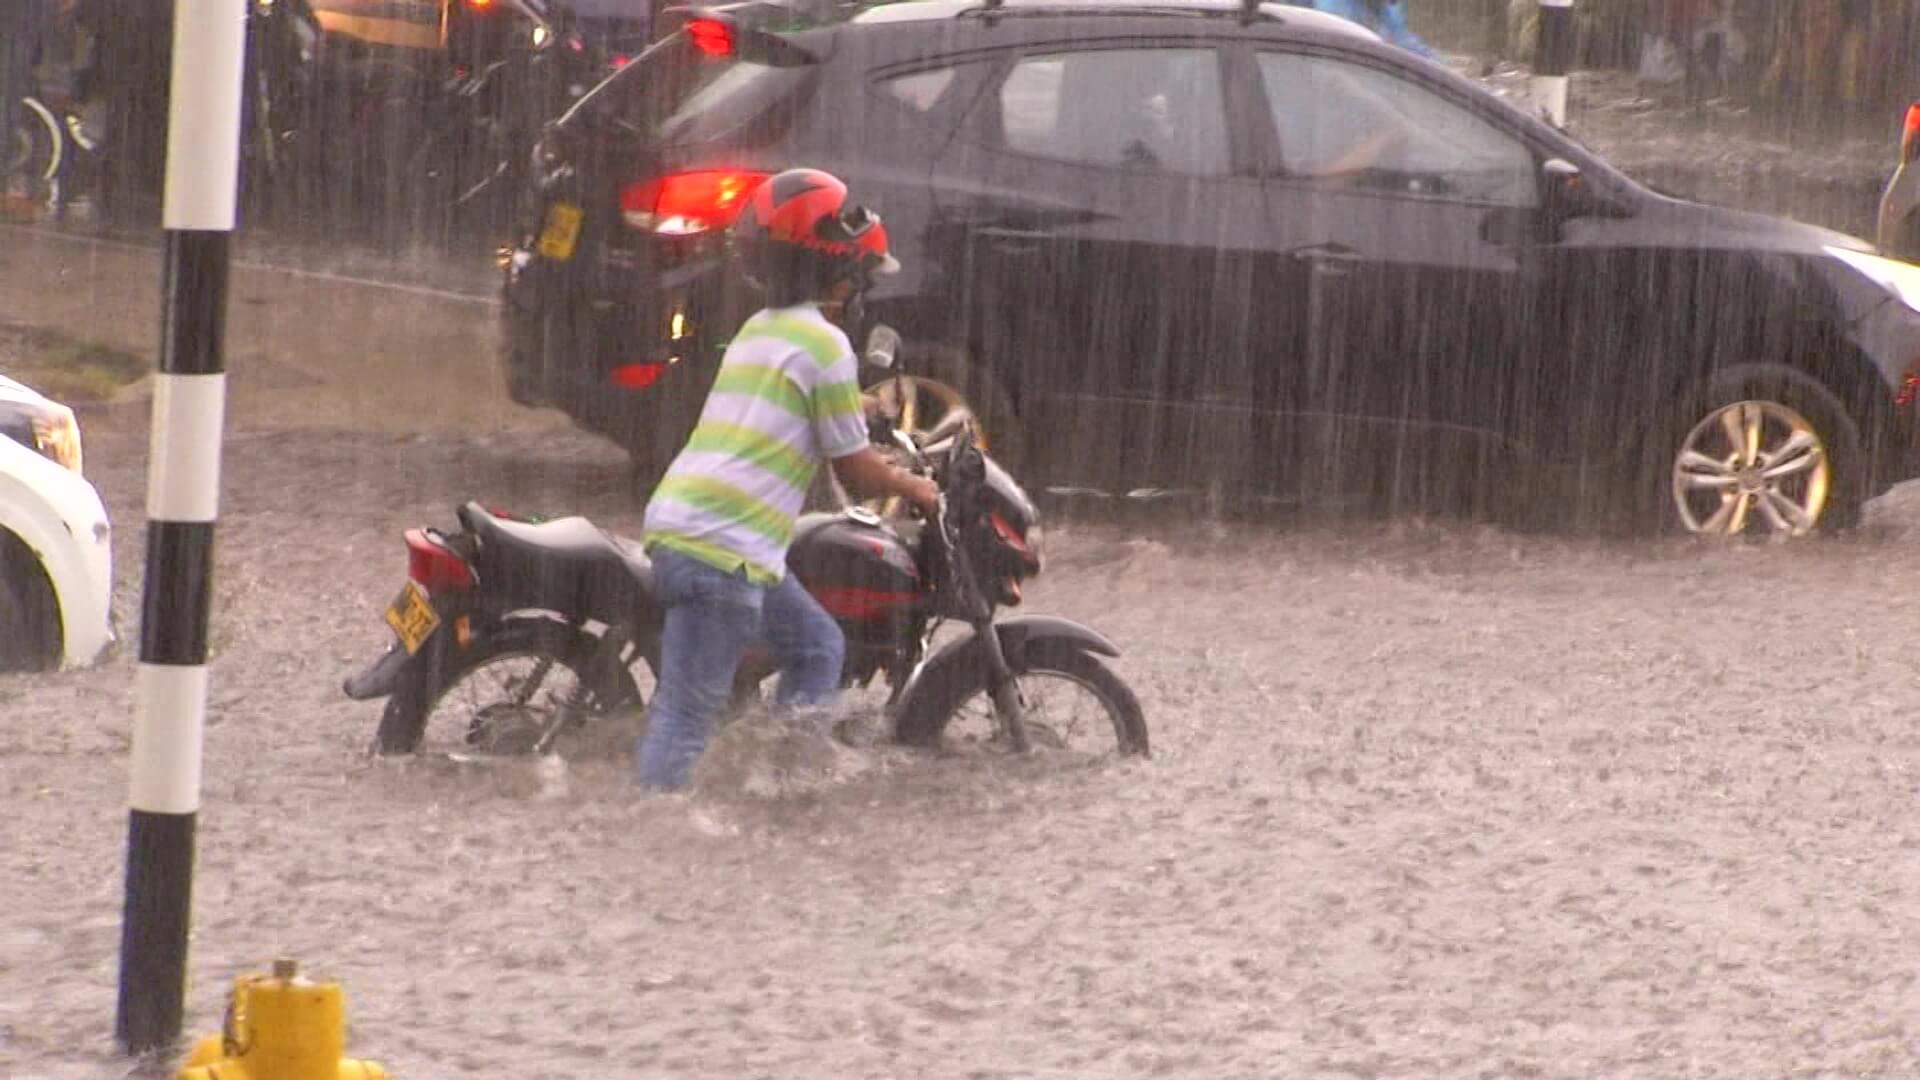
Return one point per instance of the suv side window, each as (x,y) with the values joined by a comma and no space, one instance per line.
(1346,125)
(919,91)
(1157,109)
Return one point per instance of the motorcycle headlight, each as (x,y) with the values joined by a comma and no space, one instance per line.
(1902,279)
(46,426)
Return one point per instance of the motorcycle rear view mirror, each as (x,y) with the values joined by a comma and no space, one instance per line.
(883,346)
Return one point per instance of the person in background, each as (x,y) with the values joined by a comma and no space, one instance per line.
(1388,18)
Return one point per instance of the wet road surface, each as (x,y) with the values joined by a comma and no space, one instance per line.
(1428,800)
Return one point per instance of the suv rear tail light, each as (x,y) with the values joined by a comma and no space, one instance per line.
(432,565)
(636,376)
(688,203)
(1910,135)
(713,37)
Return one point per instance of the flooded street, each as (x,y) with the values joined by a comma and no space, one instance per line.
(1427,800)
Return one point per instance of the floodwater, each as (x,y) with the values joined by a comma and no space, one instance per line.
(1427,800)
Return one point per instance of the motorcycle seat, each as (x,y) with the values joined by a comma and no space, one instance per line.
(567,539)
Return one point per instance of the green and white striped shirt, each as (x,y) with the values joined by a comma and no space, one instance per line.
(786,398)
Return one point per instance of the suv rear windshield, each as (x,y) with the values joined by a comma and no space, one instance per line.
(676,95)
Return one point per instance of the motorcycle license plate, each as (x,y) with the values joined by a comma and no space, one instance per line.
(561,231)
(412,617)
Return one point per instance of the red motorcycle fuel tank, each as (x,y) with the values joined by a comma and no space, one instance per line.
(860,569)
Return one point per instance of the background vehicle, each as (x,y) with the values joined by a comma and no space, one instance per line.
(1192,246)
(56,581)
(281,101)
(1899,231)
(491,611)
(436,122)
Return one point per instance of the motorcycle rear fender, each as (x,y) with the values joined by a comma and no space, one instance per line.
(378,679)
(1016,634)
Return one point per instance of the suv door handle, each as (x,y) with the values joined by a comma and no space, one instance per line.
(1331,251)
(1332,259)
(1014,241)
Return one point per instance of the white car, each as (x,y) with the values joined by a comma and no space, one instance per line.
(56,566)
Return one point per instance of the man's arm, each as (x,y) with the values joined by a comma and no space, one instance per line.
(867,474)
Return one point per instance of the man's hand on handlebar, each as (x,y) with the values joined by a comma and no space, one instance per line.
(867,474)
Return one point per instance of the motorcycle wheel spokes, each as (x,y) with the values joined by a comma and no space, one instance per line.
(1064,714)
(506,706)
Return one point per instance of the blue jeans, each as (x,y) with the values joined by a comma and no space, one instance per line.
(711,617)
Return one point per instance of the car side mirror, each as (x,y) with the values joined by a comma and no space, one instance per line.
(1565,193)
(883,346)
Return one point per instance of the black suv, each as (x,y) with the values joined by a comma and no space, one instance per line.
(1193,244)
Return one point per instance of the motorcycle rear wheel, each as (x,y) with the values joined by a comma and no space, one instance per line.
(964,696)
(535,665)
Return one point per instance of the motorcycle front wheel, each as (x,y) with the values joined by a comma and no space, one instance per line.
(507,693)
(1075,704)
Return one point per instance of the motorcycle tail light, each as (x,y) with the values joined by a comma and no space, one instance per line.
(1910,135)
(432,566)
(688,203)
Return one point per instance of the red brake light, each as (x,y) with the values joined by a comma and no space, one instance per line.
(432,566)
(1909,390)
(688,203)
(1910,134)
(636,376)
(712,37)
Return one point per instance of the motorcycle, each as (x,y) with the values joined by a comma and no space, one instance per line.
(505,592)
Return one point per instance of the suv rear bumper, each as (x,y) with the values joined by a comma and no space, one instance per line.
(624,351)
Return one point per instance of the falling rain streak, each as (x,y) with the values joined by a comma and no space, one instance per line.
(1369,415)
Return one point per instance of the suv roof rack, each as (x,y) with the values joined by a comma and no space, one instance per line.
(1245,11)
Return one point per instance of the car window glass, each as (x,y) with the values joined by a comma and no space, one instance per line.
(737,93)
(675,95)
(1154,109)
(921,90)
(1345,124)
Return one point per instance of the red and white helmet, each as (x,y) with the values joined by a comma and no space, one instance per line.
(800,236)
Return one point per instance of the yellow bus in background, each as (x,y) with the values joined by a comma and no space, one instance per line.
(398,24)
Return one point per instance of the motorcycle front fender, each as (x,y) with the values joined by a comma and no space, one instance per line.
(1016,635)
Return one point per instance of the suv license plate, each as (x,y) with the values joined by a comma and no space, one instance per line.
(412,617)
(561,231)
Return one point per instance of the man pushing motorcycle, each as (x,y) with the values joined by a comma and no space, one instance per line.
(786,398)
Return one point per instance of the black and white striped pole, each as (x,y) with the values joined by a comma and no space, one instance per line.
(1553,59)
(183,496)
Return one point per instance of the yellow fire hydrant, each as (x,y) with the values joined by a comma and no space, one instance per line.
(281,1026)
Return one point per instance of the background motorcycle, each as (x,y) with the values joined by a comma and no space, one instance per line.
(509,632)
(35,154)
(484,119)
